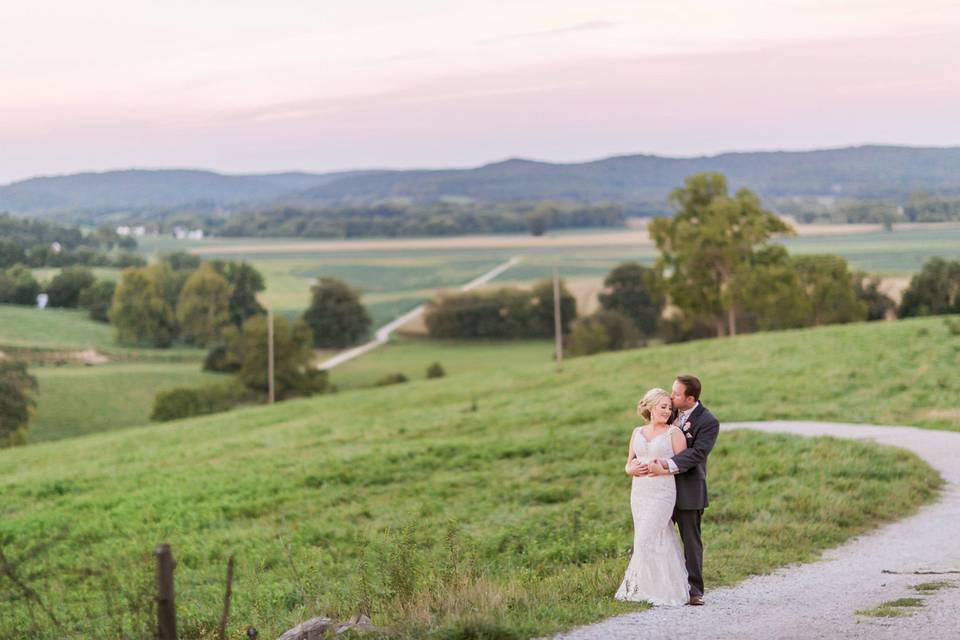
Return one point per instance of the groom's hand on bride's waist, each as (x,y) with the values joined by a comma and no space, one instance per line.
(653,468)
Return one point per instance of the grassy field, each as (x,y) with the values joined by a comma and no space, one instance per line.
(474,506)
(76,400)
(411,357)
(24,327)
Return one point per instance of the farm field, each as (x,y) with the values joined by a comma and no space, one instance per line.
(502,492)
(397,274)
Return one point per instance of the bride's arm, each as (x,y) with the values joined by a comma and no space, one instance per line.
(678,441)
(630,453)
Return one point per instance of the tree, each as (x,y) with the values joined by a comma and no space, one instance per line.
(605,330)
(543,308)
(97,299)
(294,371)
(11,253)
(203,308)
(502,313)
(245,283)
(337,317)
(16,403)
(181,260)
(64,290)
(867,290)
(141,311)
(770,295)
(829,285)
(933,291)
(22,287)
(705,245)
(634,290)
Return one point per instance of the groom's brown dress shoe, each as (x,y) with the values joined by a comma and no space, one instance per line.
(696,601)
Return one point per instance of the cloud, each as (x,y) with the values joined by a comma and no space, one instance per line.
(592,25)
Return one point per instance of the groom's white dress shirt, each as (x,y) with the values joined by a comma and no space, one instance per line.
(681,421)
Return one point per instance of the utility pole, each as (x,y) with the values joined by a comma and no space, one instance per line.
(270,388)
(557,331)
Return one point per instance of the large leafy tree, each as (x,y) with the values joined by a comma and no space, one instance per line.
(770,295)
(933,291)
(203,308)
(294,371)
(634,290)
(336,315)
(706,246)
(141,311)
(16,403)
(245,283)
(830,288)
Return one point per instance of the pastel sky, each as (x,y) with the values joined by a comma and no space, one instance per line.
(237,85)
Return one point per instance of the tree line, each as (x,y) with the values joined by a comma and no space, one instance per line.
(36,243)
(393,219)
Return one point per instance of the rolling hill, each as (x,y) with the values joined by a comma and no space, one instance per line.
(477,506)
(639,180)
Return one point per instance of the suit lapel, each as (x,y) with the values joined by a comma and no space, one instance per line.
(692,420)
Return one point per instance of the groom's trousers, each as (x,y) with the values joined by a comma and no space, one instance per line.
(688,522)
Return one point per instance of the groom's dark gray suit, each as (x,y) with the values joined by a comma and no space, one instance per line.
(701,430)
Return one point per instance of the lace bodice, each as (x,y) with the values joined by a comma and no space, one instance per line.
(660,446)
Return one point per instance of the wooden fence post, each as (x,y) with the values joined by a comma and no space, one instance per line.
(166,605)
(226,600)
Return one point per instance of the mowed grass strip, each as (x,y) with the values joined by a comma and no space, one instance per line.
(481,505)
(76,400)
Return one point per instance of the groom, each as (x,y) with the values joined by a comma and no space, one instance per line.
(690,469)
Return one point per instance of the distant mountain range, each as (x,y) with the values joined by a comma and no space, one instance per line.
(640,181)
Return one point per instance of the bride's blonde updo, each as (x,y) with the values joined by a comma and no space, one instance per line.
(650,400)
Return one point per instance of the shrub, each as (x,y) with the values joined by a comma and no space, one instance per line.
(953,326)
(504,313)
(64,290)
(16,402)
(391,378)
(435,370)
(97,299)
(218,360)
(19,286)
(603,331)
(174,404)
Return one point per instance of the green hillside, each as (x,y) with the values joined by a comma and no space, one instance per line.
(504,517)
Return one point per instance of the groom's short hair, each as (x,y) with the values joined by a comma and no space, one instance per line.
(691,384)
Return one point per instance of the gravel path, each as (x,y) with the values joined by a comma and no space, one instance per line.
(820,599)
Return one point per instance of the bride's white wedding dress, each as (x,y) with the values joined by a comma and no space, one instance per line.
(656,573)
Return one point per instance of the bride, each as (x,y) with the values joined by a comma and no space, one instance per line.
(656,573)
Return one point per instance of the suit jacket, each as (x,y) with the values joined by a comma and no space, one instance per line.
(701,432)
